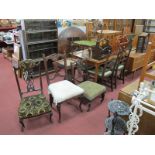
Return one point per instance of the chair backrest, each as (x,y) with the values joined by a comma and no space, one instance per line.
(27,67)
(53,61)
(114,63)
(122,41)
(124,47)
(106,62)
(72,46)
(82,69)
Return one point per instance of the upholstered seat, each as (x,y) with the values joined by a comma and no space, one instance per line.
(92,89)
(120,67)
(64,90)
(68,62)
(107,72)
(33,106)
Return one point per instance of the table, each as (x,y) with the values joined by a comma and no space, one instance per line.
(85,43)
(6,29)
(108,32)
(84,54)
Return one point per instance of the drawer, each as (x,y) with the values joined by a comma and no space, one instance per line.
(137,65)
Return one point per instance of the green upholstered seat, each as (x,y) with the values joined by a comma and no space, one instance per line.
(92,89)
(33,106)
(85,43)
(120,67)
(107,73)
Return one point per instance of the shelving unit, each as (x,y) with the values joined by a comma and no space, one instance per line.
(142,42)
(38,37)
(149,26)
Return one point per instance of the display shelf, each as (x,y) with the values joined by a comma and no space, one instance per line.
(149,25)
(40,31)
(44,49)
(38,37)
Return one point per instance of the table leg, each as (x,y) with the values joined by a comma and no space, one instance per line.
(96,72)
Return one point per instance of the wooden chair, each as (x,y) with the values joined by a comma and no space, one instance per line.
(63,90)
(72,46)
(125,47)
(91,89)
(106,73)
(31,105)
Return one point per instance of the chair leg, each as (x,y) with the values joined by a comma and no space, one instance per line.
(80,106)
(89,106)
(51,99)
(111,79)
(22,123)
(116,81)
(59,111)
(51,114)
(108,113)
(102,97)
(123,76)
(106,129)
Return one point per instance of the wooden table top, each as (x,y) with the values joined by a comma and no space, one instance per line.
(108,31)
(89,43)
(84,54)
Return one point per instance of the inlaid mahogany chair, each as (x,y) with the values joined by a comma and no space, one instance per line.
(92,90)
(31,105)
(63,90)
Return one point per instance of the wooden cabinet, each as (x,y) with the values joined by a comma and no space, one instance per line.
(135,61)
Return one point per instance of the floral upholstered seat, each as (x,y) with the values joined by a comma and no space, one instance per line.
(33,106)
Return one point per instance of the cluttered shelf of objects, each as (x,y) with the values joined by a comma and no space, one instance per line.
(94,58)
